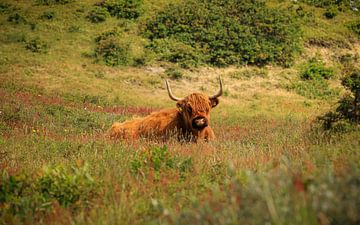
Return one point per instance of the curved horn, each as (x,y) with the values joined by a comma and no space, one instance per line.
(170,92)
(220,92)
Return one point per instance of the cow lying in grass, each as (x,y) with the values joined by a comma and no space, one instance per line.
(189,121)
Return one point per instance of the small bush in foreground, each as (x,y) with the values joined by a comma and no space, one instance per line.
(67,186)
(98,15)
(275,197)
(22,196)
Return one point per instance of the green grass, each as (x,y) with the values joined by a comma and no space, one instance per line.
(271,162)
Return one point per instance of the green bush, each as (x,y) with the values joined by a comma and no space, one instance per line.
(53,2)
(355,27)
(127,9)
(176,52)
(36,45)
(331,12)
(113,52)
(67,186)
(348,110)
(173,73)
(227,32)
(98,15)
(315,70)
(22,196)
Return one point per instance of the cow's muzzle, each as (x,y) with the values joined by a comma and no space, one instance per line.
(200,123)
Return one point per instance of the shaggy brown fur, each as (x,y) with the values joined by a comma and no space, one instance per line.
(189,121)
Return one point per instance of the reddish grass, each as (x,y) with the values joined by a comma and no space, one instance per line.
(31,100)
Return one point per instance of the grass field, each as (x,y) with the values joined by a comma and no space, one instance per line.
(271,163)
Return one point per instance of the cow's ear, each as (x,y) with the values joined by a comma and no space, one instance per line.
(214,102)
(180,106)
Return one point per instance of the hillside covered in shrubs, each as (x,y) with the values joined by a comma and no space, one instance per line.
(287,126)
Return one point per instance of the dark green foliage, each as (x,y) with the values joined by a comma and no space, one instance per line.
(173,73)
(24,196)
(176,51)
(98,15)
(340,4)
(53,2)
(355,27)
(331,12)
(67,186)
(127,9)
(315,70)
(113,50)
(347,113)
(225,32)
(36,45)
(17,19)
(48,15)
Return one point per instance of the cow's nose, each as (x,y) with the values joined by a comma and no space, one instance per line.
(200,123)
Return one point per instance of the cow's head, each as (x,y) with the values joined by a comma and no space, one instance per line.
(195,108)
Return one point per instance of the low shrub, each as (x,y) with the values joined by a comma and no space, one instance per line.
(315,70)
(23,196)
(347,112)
(98,15)
(175,52)
(36,45)
(113,52)
(127,9)
(117,48)
(331,12)
(173,73)
(69,187)
(355,27)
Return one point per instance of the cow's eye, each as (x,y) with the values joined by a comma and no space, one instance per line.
(189,109)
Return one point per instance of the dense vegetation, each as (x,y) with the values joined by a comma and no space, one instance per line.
(224,33)
(287,126)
